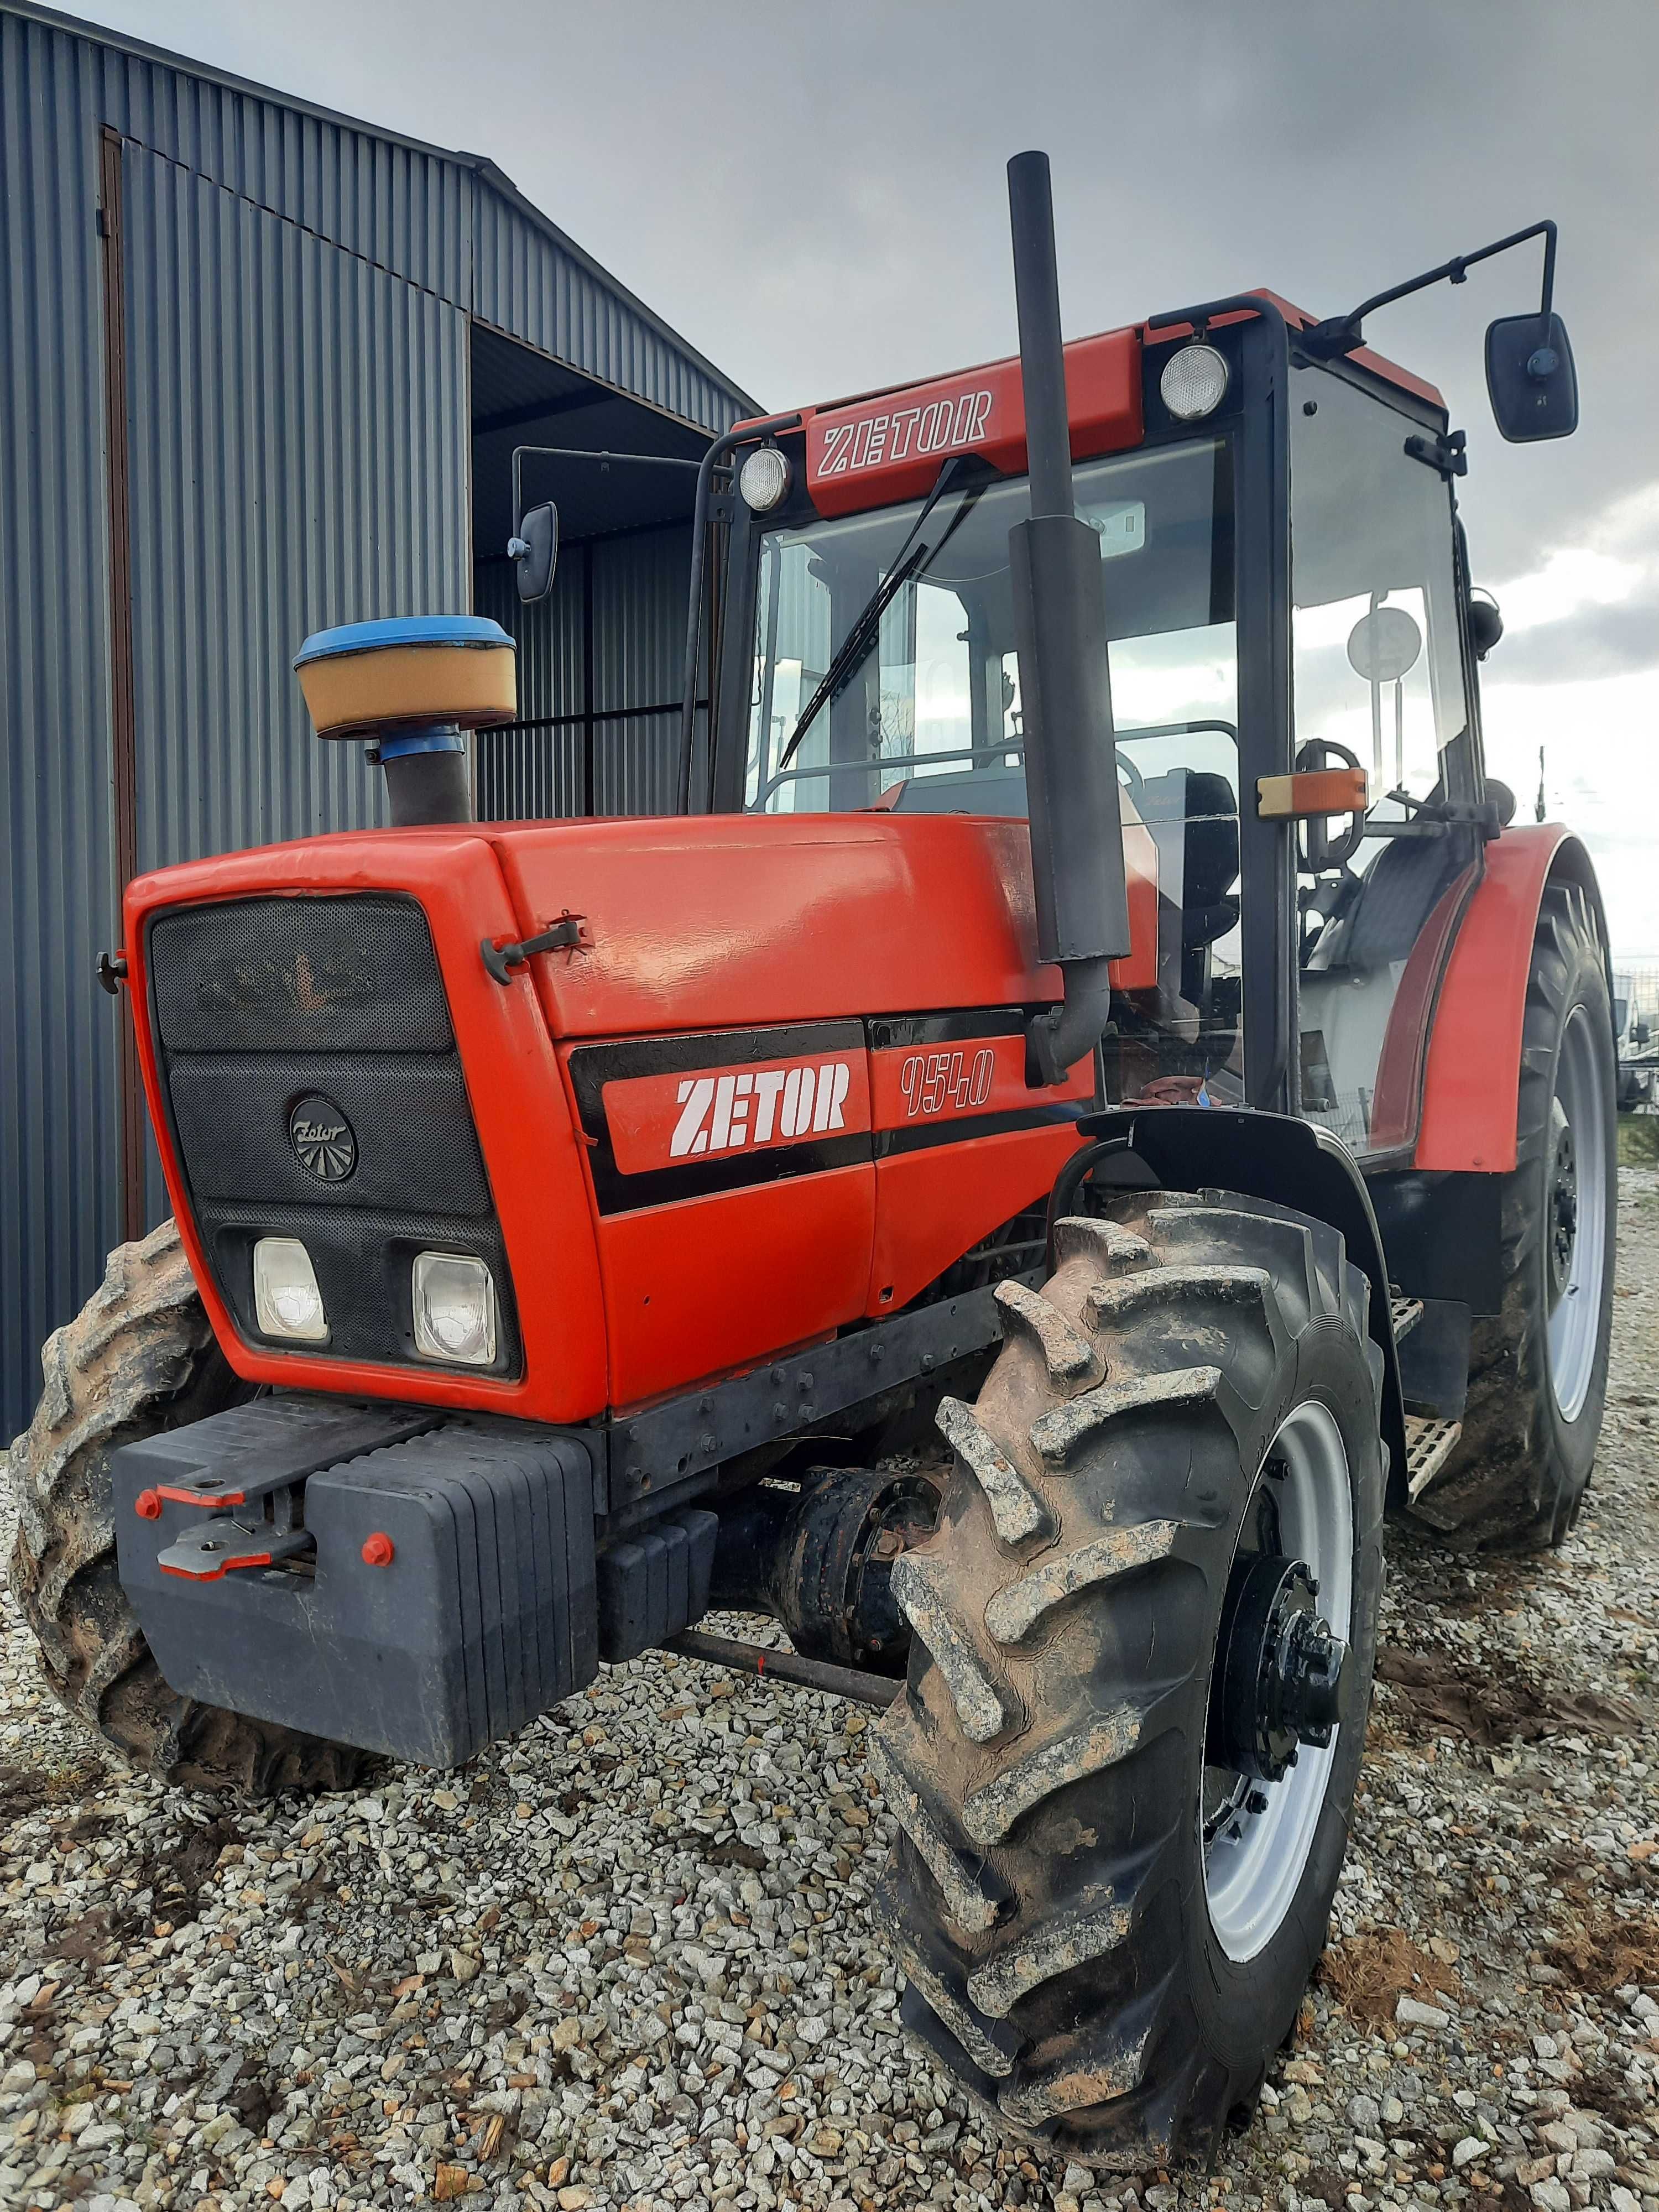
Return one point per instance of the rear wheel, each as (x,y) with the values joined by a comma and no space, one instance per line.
(1145,1630)
(1538,1371)
(139,1358)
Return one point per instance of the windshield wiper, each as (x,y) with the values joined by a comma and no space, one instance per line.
(867,622)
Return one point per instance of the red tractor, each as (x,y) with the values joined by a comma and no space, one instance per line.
(1091,1005)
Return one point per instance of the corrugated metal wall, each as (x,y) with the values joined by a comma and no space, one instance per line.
(629,594)
(297,295)
(527,282)
(406,208)
(298,457)
(59,1202)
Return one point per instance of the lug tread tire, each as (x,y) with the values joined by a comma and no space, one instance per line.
(139,1358)
(1033,1883)
(1517,1477)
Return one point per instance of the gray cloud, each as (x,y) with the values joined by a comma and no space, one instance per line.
(1597,641)
(815,197)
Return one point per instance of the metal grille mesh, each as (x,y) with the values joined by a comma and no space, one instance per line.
(353,974)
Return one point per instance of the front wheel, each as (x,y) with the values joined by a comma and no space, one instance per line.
(138,1358)
(1145,1630)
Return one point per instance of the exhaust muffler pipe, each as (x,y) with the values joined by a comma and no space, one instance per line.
(1065,689)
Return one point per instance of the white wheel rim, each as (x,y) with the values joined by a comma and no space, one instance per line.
(1254,1867)
(1575,1321)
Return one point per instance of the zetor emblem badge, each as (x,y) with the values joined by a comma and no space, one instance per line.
(324,1141)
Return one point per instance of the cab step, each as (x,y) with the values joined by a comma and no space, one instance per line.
(1406,1313)
(1429,1444)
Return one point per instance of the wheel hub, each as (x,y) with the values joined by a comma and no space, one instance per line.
(1563,1225)
(1278,1669)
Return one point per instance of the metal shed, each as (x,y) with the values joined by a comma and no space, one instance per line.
(261,368)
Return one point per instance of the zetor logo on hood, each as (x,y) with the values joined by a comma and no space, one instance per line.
(718,1112)
(657,1120)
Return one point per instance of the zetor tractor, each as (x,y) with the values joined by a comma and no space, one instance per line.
(1091,1007)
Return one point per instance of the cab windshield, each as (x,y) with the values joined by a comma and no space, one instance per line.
(925,719)
(922,714)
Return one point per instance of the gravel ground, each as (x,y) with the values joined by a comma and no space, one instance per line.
(629,1958)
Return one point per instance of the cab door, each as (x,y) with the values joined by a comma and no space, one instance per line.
(1380,680)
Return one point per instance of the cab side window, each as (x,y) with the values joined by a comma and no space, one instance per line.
(1379,680)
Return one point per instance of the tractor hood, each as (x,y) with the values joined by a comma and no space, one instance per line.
(349,1043)
(711,921)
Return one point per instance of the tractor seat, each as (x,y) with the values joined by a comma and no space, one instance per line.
(1206,806)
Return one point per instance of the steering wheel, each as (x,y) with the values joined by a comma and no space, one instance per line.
(1136,782)
(1320,849)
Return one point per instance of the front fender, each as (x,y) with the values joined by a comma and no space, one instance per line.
(1271,1156)
(1471,1080)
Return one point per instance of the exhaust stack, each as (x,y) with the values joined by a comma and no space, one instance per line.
(1060,635)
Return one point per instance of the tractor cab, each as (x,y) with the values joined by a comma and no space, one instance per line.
(1289,627)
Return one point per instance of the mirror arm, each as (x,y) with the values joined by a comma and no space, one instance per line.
(1448,454)
(1340,334)
(584,453)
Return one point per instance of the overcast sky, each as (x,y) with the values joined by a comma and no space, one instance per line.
(814,196)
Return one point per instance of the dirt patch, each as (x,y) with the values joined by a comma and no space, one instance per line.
(1606,1950)
(25,1789)
(1498,1590)
(1369,1974)
(174,1876)
(1436,1698)
(92,1938)
(1605,2089)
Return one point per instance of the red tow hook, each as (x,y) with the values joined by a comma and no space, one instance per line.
(216,1547)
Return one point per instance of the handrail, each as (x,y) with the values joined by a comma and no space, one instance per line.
(1016,745)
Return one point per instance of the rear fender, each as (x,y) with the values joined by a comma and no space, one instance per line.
(1471,1082)
(1286,1162)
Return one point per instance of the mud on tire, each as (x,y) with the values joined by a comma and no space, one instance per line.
(139,1358)
(1047,1762)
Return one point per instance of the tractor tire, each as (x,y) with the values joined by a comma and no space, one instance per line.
(1538,1370)
(1105,1928)
(139,1358)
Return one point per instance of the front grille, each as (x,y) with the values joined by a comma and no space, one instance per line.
(354,974)
(314,1090)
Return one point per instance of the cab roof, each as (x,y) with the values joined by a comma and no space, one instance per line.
(873,448)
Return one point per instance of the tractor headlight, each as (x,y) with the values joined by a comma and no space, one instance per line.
(1194,383)
(286,1299)
(454,1309)
(764,478)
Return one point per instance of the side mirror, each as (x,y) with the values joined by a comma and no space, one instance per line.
(1530,378)
(1485,626)
(534,552)
(1640,1033)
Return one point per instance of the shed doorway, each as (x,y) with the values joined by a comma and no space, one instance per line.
(599,660)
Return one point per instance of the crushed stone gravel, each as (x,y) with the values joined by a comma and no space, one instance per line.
(630,1959)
